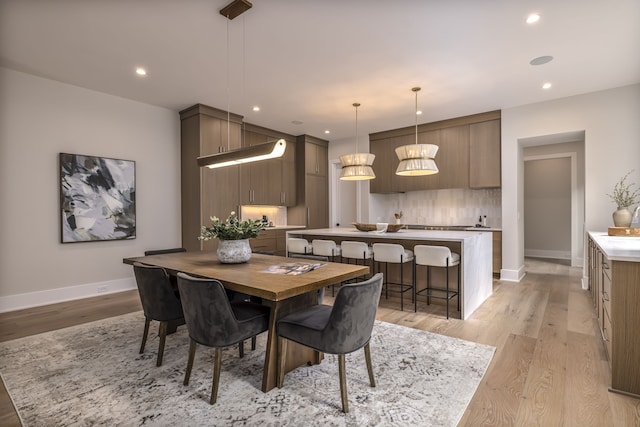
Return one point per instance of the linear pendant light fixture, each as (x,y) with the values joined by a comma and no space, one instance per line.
(357,166)
(254,153)
(417,159)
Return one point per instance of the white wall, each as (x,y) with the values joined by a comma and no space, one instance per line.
(612,147)
(361,200)
(40,118)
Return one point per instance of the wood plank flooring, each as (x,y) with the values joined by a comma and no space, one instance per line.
(550,368)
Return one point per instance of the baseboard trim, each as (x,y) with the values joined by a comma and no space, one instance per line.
(543,253)
(70,293)
(512,275)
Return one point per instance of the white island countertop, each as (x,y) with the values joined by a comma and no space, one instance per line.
(444,235)
(618,248)
(475,254)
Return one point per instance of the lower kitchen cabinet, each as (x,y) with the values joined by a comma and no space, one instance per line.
(616,282)
(270,241)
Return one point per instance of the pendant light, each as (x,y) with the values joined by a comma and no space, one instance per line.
(254,153)
(357,166)
(417,159)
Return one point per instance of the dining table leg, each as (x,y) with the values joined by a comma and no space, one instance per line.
(297,355)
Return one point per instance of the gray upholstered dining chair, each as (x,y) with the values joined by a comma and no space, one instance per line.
(160,302)
(214,321)
(341,329)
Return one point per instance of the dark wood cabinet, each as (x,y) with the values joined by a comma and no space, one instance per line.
(312,208)
(455,159)
(484,154)
(270,182)
(206,192)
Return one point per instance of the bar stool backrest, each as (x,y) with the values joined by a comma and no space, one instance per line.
(391,252)
(357,250)
(437,256)
(325,248)
(298,245)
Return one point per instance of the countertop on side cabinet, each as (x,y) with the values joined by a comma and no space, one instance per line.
(286,227)
(617,248)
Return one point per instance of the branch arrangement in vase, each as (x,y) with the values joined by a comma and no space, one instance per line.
(623,194)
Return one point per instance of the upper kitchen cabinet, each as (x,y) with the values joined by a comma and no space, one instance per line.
(270,182)
(316,158)
(206,192)
(454,158)
(312,208)
(484,154)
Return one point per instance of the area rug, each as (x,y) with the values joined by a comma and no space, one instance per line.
(92,374)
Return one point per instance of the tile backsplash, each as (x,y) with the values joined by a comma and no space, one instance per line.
(439,207)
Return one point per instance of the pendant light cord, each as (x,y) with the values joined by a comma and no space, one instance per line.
(416,92)
(228,113)
(356,104)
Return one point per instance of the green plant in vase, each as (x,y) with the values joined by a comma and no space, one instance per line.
(623,195)
(234,235)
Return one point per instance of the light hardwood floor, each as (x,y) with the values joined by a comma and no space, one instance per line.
(549,369)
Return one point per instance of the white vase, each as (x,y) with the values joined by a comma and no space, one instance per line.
(622,217)
(234,251)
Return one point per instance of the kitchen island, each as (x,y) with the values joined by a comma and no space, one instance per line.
(475,249)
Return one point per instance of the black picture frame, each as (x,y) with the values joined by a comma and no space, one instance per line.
(97,198)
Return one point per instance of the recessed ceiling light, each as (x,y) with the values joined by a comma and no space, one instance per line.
(546,86)
(419,112)
(327,131)
(296,122)
(141,71)
(533,18)
(540,60)
(256,108)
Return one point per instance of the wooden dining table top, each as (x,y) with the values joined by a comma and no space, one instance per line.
(250,277)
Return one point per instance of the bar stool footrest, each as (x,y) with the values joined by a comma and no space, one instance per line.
(429,293)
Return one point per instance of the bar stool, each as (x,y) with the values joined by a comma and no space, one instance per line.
(326,248)
(297,245)
(435,256)
(395,254)
(356,251)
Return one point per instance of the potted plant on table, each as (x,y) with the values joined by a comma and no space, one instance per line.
(624,196)
(234,236)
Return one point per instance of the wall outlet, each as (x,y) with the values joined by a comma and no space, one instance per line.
(102,289)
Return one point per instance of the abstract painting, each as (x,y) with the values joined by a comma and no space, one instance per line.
(97,198)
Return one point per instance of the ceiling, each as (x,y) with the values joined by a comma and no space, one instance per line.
(309,61)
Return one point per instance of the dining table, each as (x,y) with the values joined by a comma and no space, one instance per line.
(268,277)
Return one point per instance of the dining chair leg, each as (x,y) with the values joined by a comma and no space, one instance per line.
(367,358)
(282,352)
(343,383)
(147,321)
(192,354)
(163,339)
(253,342)
(217,363)
(241,349)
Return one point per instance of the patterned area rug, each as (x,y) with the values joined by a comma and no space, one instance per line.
(92,374)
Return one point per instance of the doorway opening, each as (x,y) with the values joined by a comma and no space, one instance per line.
(553,197)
